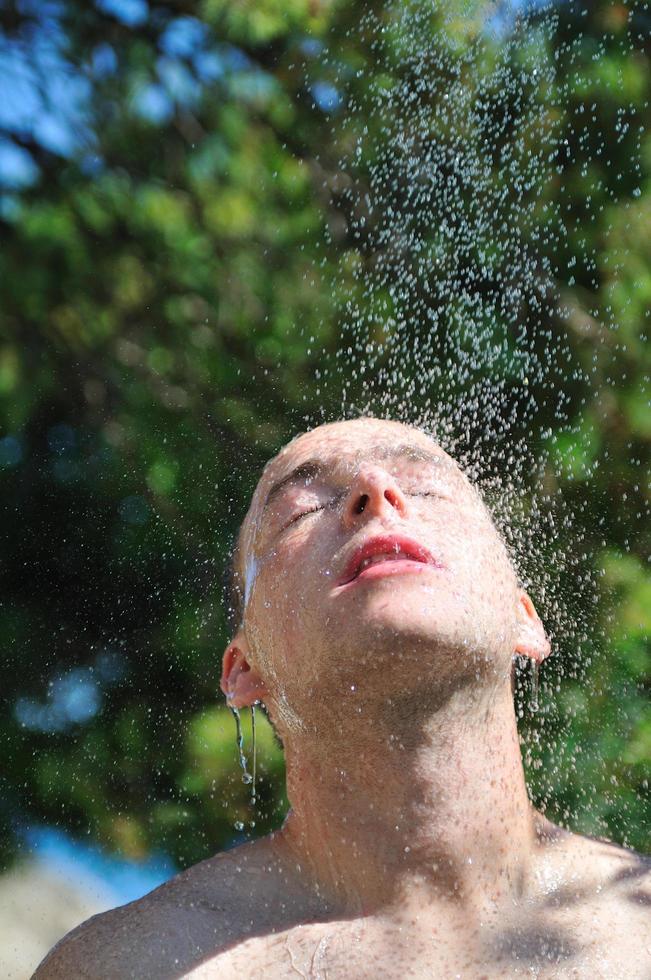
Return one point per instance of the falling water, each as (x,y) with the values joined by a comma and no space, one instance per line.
(459,316)
(253,756)
(535,684)
(451,320)
(246,775)
(248,778)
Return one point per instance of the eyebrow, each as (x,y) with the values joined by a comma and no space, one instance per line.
(312,468)
(305,471)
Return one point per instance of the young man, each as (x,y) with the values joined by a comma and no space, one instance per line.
(380,617)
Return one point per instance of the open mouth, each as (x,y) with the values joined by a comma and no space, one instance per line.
(387,554)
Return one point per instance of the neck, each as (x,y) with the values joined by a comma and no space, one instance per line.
(388,804)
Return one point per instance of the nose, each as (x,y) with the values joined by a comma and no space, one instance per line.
(373,493)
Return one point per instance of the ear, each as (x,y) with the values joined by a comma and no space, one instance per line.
(532,640)
(240,682)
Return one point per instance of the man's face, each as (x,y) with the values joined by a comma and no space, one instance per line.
(371,565)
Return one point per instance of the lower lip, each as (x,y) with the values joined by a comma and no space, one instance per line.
(383,569)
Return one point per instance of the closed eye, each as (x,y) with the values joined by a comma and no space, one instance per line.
(439,494)
(328,505)
(303,513)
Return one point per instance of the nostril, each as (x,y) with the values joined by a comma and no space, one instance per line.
(361,504)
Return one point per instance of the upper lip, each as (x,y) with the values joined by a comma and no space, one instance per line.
(391,545)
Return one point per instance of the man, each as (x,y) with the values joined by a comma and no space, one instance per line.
(380,617)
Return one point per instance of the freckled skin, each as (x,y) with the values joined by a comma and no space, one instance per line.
(411,848)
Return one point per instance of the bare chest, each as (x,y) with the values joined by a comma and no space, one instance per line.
(551,949)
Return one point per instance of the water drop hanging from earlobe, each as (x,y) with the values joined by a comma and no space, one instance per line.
(535,686)
(246,775)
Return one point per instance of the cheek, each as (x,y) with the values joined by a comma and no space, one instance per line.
(483,566)
(494,585)
(279,605)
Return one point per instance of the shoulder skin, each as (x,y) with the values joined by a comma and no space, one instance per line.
(165,934)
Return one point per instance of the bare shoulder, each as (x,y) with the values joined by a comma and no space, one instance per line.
(626,873)
(597,858)
(171,930)
(598,873)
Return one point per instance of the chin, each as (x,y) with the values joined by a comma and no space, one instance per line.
(432,633)
(419,614)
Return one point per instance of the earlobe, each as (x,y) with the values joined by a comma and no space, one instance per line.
(240,682)
(532,640)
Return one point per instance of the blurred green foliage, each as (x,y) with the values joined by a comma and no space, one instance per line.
(166,293)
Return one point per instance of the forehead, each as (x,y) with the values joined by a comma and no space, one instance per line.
(349,440)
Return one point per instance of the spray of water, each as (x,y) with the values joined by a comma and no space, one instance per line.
(455,317)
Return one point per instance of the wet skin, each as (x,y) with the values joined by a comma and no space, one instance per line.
(410,847)
(249,913)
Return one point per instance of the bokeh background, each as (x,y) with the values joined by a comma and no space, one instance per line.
(179,241)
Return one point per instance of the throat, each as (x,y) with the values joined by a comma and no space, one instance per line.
(441,805)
